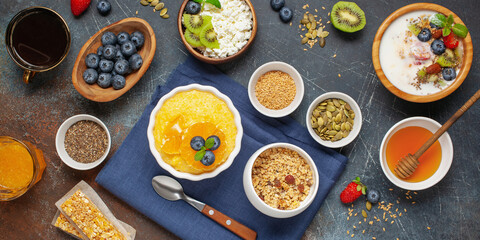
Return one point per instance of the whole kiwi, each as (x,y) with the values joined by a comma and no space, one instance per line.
(348,17)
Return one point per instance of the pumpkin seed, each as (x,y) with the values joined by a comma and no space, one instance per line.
(144,3)
(321,42)
(364,214)
(305,16)
(369,205)
(159,6)
(154,3)
(163,12)
(314,25)
(314,34)
(330,108)
(331,120)
(320,121)
(304,40)
(309,25)
(324,34)
(308,35)
(304,21)
(311,18)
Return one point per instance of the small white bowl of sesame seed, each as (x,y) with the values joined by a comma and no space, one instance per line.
(83,142)
(276,89)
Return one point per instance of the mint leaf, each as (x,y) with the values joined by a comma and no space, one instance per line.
(215,3)
(449,21)
(438,20)
(460,30)
(209,143)
(199,155)
(446,31)
(198,1)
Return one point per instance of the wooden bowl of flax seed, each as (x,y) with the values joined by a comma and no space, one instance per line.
(83,142)
(276,89)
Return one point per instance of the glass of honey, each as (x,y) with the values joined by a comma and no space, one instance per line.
(407,136)
(21,166)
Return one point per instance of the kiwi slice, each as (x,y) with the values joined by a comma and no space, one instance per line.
(192,39)
(348,17)
(195,23)
(208,37)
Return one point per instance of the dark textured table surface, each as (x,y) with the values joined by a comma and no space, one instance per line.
(449,210)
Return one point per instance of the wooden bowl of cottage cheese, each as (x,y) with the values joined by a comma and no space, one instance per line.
(235,24)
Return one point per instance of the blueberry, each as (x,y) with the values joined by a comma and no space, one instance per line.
(104,7)
(92,60)
(104,80)
(277,4)
(216,142)
(373,196)
(438,47)
(424,35)
(106,66)
(119,56)
(449,74)
(135,62)
(121,67)
(434,26)
(109,38)
(90,76)
(197,143)
(118,82)
(138,39)
(109,52)
(123,37)
(128,49)
(208,158)
(193,7)
(100,51)
(286,14)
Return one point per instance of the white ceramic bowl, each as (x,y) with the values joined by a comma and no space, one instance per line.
(60,142)
(445,143)
(261,205)
(219,169)
(357,122)
(276,66)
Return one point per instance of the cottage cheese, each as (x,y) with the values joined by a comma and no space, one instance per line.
(233,25)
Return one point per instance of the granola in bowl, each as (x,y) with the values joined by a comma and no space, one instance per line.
(281,178)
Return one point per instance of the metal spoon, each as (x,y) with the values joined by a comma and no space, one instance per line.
(172,190)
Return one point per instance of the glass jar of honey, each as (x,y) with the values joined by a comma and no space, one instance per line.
(21,166)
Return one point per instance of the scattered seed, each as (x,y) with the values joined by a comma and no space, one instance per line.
(339,75)
(159,6)
(163,12)
(154,3)
(166,16)
(369,204)
(321,42)
(144,3)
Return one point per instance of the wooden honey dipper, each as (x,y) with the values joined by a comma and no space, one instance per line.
(407,165)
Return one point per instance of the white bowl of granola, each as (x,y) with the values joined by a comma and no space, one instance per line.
(280,180)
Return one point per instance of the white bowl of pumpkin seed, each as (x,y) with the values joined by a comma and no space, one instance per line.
(334,119)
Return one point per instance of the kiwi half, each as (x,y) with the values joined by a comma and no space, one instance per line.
(208,37)
(348,17)
(192,39)
(195,23)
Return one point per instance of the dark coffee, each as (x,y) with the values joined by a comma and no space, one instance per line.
(40,38)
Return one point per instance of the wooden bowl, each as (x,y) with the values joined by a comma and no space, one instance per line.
(197,54)
(95,92)
(467,54)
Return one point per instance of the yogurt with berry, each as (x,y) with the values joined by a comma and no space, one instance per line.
(409,48)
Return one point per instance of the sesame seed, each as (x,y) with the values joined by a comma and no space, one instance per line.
(384,229)
(339,75)
(392,222)
(428,228)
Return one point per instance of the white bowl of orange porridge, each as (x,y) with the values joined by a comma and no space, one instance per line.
(280,180)
(276,89)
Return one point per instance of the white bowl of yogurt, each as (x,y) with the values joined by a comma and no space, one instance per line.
(398,55)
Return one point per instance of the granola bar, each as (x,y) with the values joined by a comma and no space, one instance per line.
(89,219)
(63,223)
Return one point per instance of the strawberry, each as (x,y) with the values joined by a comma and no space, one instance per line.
(354,190)
(79,6)
(450,41)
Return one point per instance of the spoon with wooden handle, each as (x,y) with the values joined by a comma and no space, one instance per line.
(407,165)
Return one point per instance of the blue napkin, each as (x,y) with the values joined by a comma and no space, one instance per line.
(128,174)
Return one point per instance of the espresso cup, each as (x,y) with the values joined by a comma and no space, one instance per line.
(37,39)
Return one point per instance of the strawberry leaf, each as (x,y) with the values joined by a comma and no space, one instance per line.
(446,31)
(438,20)
(215,3)
(364,190)
(359,187)
(199,155)
(460,30)
(209,143)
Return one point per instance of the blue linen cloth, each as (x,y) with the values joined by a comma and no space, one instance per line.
(128,174)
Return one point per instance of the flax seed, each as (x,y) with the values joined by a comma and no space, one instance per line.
(275,90)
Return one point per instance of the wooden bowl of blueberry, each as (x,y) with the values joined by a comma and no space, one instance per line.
(114,59)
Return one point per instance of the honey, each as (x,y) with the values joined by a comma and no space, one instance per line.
(409,140)
(21,166)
